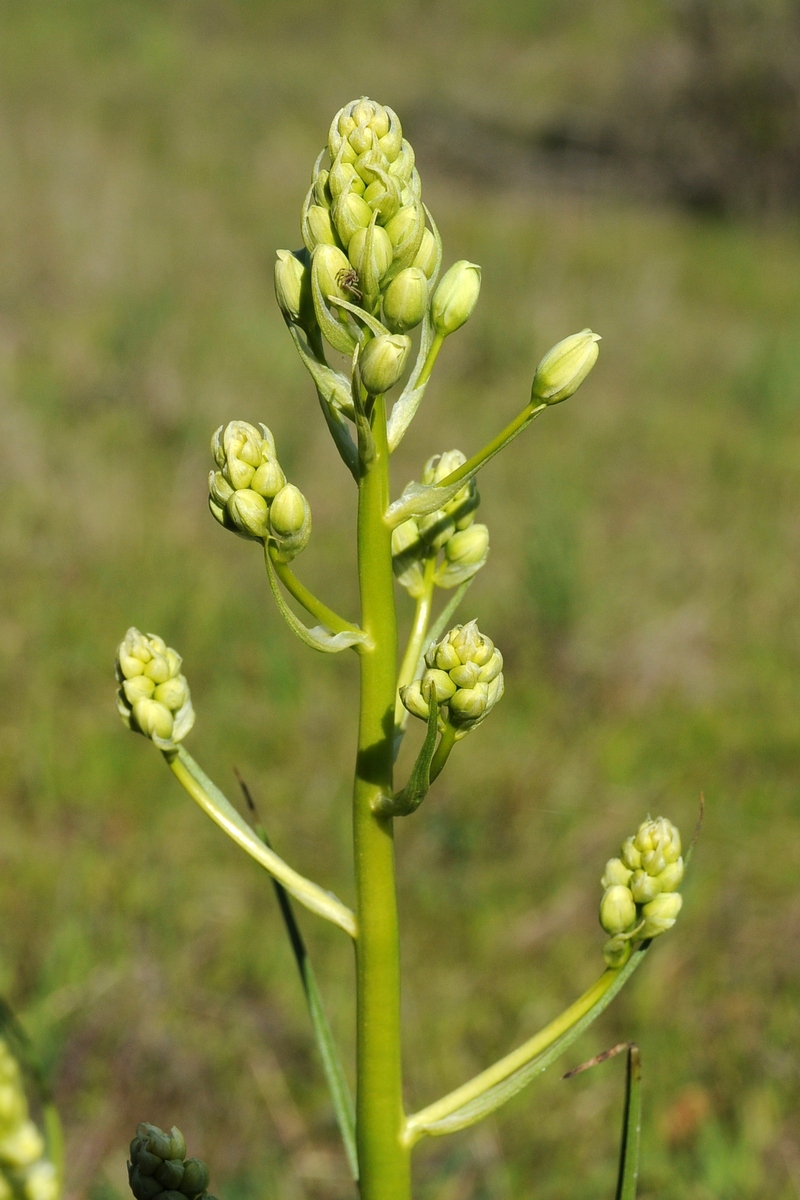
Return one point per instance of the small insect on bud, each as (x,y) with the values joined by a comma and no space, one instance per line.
(455,297)
(383,361)
(371,256)
(406,300)
(617,909)
(564,368)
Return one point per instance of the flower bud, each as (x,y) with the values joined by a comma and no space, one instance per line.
(350,213)
(293,287)
(465,553)
(290,522)
(383,361)
(248,513)
(661,914)
(329,264)
(427,255)
(371,257)
(155,702)
(157,1170)
(617,909)
(406,300)
(644,887)
(320,230)
(564,368)
(455,297)
(403,223)
(615,873)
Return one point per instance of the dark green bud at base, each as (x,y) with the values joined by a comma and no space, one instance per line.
(159,1170)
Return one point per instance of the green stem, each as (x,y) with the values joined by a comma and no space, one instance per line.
(416,641)
(474,464)
(326,616)
(384,1161)
(430,360)
(446,743)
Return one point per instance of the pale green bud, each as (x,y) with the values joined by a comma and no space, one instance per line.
(290,522)
(414,701)
(617,909)
(644,887)
(427,255)
(22,1146)
(402,224)
(403,165)
(293,287)
(320,227)
(248,513)
(659,843)
(455,297)
(343,178)
(630,855)
(219,490)
(141,687)
(41,1181)
(405,301)
(322,192)
(350,212)
(383,361)
(371,264)
(383,193)
(152,719)
(465,553)
(330,265)
(173,693)
(615,873)
(564,368)
(669,880)
(661,913)
(268,479)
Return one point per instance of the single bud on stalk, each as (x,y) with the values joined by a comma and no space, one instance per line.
(455,298)
(383,361)
(153,698)
(465,553)
(564,368)
(466,672)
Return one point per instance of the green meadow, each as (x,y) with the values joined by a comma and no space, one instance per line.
(642,586)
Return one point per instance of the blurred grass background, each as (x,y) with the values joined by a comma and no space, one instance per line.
(633,167)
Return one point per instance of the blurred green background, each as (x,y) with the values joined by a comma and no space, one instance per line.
(626,164)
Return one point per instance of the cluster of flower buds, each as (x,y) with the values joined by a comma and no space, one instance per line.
(367,244)
(248,493)
(25,1171)
(640,896)
(153,696)
(451,529)
(159,1169)
(464,671)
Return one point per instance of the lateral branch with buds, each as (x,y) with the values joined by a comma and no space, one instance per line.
(366,278)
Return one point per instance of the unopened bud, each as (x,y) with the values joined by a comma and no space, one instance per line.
(661,913)
(320,230)
(383,361)
(465,553)
(617,909)
(370,252)
(564,368)
(408,551)
(330,265)
(615,873)
(427,255)
(350,212)
(406,300)
(293,287)
(248,513)
(455,297)
(290,522)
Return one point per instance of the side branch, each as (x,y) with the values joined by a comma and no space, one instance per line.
(499,1083)
(333,634)
(222,812)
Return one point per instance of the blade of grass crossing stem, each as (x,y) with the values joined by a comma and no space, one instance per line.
(631,1129)
(329,1053)
(22,1049)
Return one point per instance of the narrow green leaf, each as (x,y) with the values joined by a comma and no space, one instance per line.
(323,1034)
(631,1128)
(500,1083)
(409,799)
(374,325)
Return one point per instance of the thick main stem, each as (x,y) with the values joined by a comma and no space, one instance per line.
(384,1161)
